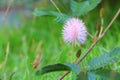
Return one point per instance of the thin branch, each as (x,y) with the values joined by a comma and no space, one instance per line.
(7,10)
(87,51)
(109,25)
(90,35)
(61,77)
(62,5)
(56,7)
(93,44)
(79,60)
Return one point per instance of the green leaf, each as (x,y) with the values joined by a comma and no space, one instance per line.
(52,68)
(59,67)
(110,57)
(78,8)
(99,74)
(82,76)
(83,7)
(41,13)
(105,74)
(91,76)
(74,67)
(59,17)
(92,4)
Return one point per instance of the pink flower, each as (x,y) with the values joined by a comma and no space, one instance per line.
(74,30)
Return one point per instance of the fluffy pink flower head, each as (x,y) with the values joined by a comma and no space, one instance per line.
(74,31)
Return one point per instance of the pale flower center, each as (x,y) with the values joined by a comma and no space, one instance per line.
(74,33)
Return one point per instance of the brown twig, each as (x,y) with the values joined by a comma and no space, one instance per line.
(109,25)
(61,77)
(93,44)
(87,51)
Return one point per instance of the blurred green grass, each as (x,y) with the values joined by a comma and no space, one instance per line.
(24,46)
